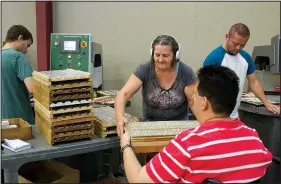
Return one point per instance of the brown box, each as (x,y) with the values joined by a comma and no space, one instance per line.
(23,132)
(48,171)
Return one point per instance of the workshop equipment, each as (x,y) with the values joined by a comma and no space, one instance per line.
(267,61)
(255,115)
(79,52)
(154,135)
(105,123)
(63,104)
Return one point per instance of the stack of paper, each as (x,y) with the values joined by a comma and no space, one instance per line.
(16,145)
(5,124)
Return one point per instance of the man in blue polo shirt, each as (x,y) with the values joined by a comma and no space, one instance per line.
(231,55)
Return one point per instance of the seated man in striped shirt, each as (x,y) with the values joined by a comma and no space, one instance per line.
(220,148)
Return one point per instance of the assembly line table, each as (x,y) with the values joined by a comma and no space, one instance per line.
(11,161)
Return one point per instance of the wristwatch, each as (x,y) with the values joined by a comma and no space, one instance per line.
(124,147)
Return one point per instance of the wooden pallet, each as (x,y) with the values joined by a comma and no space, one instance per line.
(152,136)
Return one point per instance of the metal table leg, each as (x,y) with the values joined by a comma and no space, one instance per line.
(10,176)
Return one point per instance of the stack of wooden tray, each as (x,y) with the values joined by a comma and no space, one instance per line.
(105,121)
(63,104)
(152,136)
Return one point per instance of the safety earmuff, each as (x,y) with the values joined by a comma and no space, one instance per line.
(177,52)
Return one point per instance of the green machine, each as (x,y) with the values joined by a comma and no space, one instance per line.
(71,51)
(77,51)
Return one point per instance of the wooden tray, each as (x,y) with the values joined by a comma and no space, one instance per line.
(153,136)
(61,75)
(105,133)
(104,120)
(47,96)
(106,116)
(71,129)
(107,92)
(255,101)
(105,100)
(102,124)
(62,115)
(150,144)
(63,84)
(53,138)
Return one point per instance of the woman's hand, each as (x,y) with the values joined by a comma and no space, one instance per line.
(120,128)
(125,138)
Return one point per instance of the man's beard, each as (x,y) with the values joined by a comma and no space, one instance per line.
(229,52)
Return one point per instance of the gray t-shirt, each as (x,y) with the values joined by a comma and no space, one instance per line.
(160,104)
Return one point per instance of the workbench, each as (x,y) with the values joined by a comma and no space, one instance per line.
(268,127)
(12,161)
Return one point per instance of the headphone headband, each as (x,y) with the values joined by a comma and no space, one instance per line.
(177,52)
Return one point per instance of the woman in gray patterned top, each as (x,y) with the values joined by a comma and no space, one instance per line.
(167,85)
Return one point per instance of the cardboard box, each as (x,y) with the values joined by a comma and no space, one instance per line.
(23,132)
(48,171)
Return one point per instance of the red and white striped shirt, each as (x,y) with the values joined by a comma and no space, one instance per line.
(228,151)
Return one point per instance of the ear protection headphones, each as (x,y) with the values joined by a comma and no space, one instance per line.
(177,52)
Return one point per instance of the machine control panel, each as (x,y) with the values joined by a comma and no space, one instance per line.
(70,51)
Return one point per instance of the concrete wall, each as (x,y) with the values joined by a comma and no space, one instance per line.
(126,29)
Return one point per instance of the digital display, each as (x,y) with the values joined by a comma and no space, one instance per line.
(69,45)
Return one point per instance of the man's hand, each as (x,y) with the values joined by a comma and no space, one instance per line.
(272,108)
(125,138)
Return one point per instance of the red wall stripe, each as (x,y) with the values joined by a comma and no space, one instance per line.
(44,28)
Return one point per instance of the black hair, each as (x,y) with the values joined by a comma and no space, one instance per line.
(220,85)
(15,31)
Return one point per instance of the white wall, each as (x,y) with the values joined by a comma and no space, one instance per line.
(21,13)
(126,30)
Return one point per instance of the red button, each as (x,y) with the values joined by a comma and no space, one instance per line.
(83,44)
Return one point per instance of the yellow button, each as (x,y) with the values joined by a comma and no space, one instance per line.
(69,56)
